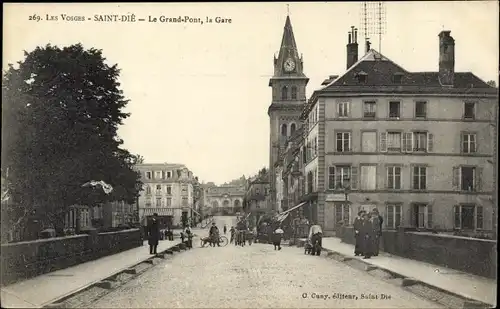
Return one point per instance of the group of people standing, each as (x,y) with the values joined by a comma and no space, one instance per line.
(368,230)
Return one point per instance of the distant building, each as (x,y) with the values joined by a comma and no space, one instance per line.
(257,197)
(168,191)
(224,199)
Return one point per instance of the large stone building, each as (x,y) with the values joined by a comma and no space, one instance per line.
(256,201)
(416,145)
(168,191)
(225,199)
(288,98)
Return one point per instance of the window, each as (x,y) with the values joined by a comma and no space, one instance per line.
(169,201)
(257,191)
(343,141)
(148,175)
(469,112)
(158,202)
(468,142)
(284,93)
(158,187)
(343,213)
(467,178)
(419,141)
(422,215)
(419,181)
(294,93)
(368,177)
(169,174)
(397,78)
(394,111)
(369,141)
(309,182)
(169,190)
(292,128)
(420,109)
(343,109)
(284,129)
(148,202)
(362,77)
(369,109)
(340,176)
(393,216)
(184,201)
(394,177)
(468,217)
(148,189)
(158,175)
(393,141)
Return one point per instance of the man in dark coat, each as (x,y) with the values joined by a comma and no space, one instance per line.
(378,231)
(214,235)
(366,234)
(153,234)
(358,222)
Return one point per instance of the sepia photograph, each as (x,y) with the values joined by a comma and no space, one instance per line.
(250,155)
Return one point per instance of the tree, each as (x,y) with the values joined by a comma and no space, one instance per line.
(61,109)
(492,83)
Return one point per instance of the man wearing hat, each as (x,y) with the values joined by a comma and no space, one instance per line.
(153,234)
(214,235)
(358,222)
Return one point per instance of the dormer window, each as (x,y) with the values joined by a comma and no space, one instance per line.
(397,78)
(361,76)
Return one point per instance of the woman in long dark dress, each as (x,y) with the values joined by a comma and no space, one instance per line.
(358,222)
(366,234)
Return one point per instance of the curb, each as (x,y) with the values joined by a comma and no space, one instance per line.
(110,283)
(412,285)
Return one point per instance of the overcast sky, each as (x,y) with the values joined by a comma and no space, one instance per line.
(199,93)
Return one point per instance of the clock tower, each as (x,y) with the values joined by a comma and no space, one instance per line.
(288,99)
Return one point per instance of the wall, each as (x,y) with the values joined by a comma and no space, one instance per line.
(475,256)
(28,259)
(444,121)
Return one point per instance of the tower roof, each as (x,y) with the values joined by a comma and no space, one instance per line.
(288,45)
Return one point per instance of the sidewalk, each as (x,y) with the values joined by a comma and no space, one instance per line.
(44,289)
(463,284)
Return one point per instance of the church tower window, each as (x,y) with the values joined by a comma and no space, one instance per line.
(292,128)
(294,93)
(283,129)
(284,93)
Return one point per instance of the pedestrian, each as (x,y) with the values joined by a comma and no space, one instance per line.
(225,229)
(377,220)
(278,234)
(367,234)
(214,235)
(153,234)
(182,236)
(189,234)
(232,231)
(358,222)
(170,234)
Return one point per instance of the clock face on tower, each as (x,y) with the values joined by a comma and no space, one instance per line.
(289,65)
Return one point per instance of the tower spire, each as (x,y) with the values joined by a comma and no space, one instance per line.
(288,46)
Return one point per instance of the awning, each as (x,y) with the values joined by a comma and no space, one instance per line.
(293,208)
(282,216)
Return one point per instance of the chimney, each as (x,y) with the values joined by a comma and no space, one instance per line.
(368,44)
(352,47)
(446,58)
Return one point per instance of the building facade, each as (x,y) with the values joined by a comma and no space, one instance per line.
(224,199)
(418,146)
(288,99)
(168,191)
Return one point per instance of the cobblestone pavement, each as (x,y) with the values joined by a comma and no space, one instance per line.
(255,277)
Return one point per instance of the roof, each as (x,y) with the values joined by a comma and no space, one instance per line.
(380,72)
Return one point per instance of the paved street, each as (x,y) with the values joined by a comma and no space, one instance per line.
(256,276)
